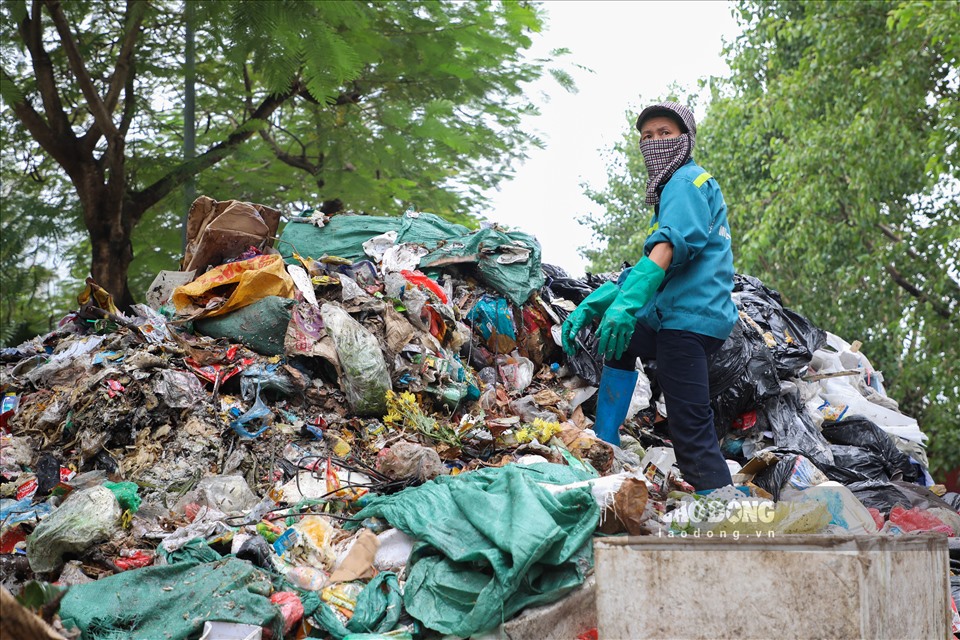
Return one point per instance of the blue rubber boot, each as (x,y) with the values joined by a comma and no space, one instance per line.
(613,400)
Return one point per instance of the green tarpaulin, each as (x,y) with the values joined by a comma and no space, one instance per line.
(171,601)
(490,543)
(507,261)
(377,610)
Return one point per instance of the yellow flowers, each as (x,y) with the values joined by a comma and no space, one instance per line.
(540,430)
(403,412)
(401,407)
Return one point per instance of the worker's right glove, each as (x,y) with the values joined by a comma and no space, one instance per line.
(592,307)
(620,319)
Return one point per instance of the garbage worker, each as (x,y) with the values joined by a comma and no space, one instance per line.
(674,306)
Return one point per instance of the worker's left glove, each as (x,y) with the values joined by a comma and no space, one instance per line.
(620,319)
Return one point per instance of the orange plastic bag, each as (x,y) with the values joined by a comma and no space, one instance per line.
(234,285)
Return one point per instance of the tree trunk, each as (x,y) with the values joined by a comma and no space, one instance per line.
(110,258)
(110,227)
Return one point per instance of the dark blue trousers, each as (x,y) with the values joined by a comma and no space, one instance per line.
(683,376)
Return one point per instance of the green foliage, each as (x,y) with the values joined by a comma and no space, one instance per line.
(36,233)
(374,107)
(430,119)
(835,142)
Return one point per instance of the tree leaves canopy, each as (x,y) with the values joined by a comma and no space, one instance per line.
(368,106)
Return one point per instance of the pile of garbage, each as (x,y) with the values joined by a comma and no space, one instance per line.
(370,428)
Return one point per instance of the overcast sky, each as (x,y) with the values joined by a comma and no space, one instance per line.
(636,51)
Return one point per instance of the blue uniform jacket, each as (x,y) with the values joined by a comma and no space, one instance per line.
(695,294)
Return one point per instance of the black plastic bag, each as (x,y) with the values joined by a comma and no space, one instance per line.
(557,284)
(775,477)
(884,496)
(728,363)
(795,338)
(587,362)
(258,551)
(953,499)
(742,375)
(861,432)
(855,464)
(48,475)
(793,428)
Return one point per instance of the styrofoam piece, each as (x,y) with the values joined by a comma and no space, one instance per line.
(231,631)
(394,551)
(602,488)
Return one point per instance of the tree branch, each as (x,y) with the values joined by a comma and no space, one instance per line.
(895,237)
(297,162)
(99,110)
(248,90)
(142,200)
(41,131)
(939,307)
(303,147)
(31,31)
(129,104)
(906,285)
(136,10)
(123,73)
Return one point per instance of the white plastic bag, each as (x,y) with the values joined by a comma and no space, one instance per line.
(87,517)
(515,371)
(365,376)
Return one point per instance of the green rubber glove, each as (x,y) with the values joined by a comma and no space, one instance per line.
(620,319)
(592,307)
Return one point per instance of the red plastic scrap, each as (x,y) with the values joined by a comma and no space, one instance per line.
(273,476)
(10,539)
(28,488)
(438,328)
(590,634)
(134,560)
(113,388)
(421,280)
(745,421)
(534,320)
(191,510)
(290,608)
(10,405)
(956,616)
(210,372)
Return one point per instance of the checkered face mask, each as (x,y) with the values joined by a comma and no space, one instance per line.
(663,157)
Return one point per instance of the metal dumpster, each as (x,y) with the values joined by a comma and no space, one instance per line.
(789,586)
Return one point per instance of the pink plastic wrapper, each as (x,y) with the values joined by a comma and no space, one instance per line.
(917,519)
(877,517)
